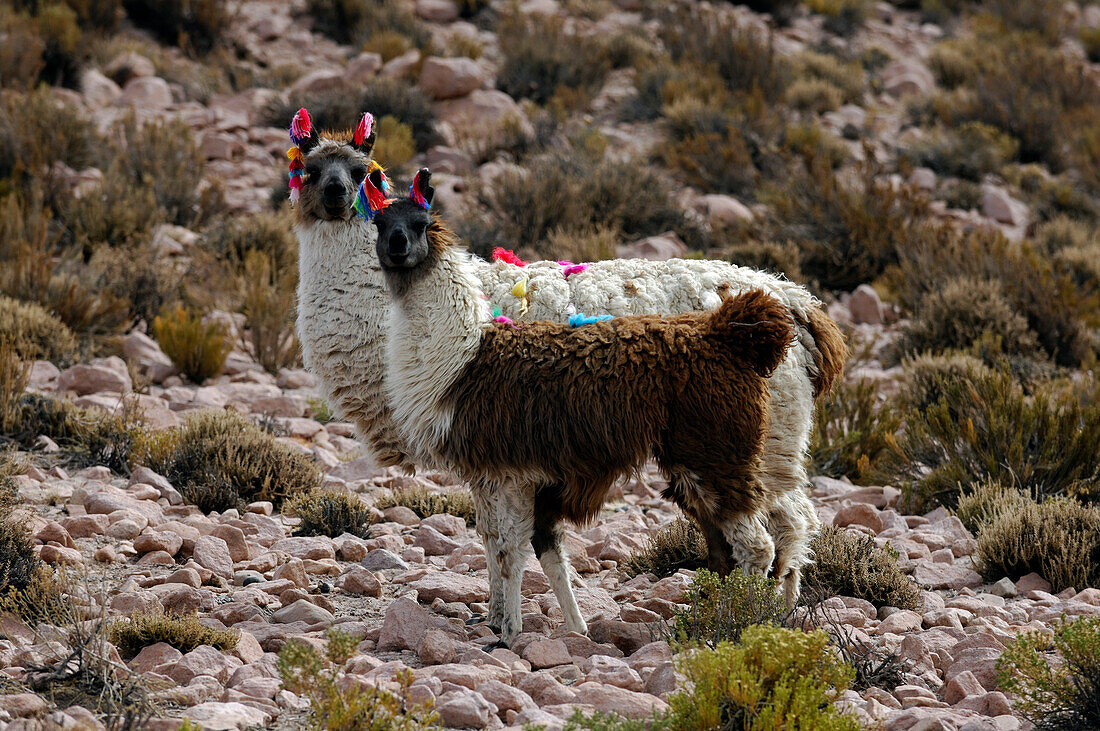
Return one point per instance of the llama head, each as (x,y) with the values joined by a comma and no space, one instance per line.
(326,168)
(409,236)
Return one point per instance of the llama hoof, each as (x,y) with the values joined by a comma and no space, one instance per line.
(475,620)
(498,645)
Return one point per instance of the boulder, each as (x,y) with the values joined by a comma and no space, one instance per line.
(448,78)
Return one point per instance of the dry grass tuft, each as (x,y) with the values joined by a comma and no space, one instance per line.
(33,333)
(329,513)
(424,502)
(679,545)
(848,564)
(197,348)
(184,633)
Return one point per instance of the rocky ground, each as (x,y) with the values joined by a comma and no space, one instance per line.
(406,590)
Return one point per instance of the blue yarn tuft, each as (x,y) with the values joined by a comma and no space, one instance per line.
(580,319)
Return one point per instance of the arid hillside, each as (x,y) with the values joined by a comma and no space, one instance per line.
(192,537)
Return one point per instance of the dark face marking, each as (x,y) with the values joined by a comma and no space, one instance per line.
(403,235)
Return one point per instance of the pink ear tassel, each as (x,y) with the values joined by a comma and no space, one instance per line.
(362,132)
(300,126)
(574,269)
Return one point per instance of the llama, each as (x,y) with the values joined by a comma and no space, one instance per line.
(342,304)
(542,418)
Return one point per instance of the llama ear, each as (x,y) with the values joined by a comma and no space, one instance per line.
(302,132)
(421,190)
(377,179)
(365,134)
(371,198)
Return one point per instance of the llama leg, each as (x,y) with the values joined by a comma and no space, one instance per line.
(792,522)
(547,542)
(753,548)
(513,517)
(485,509)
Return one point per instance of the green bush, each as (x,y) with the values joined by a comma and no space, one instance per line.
(425,503)
(330,513)
(1059,539)
(985,502)
(985,427)
(679,545)
(963,312)
(774,678)
(184,633)
(1061,695)
(336,707)
(854,432)
(721,608)
(197,348)
(849,564)
(219,460)
(193,25)
(33,333)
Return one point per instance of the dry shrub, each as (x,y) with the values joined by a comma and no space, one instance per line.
(197,348)
(985,502)
(330,513)
(924,376)
(357,22)
(148,282)
(424,502)
(679,545)
(720,608)
(1055,309)
(874,666)
(33,333)
(849,229)
(573,191)
(963,312)
(595,244)
(1059,539)
(854,432)
(1065,232)
(850,564)
(846,76)
(815,96)
(193,25)
(183,632)
(219,460)
(37,129)
(985,427)
(542,56)
(764,255)
(1059,693)
(395,146)
(971,151)
(268,304)
(842,17)
(1090,39)
(338,109)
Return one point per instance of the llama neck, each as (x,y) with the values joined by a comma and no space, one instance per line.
(435,329)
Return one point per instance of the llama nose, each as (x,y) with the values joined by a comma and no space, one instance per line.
(334,190)
(399,244)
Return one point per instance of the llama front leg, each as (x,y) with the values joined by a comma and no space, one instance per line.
(792,523)
(753,548)
(547,542)
(485,510)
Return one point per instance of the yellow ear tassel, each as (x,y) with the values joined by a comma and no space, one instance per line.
(294,154)
(520,290)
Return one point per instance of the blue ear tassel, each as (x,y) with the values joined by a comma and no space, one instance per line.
(580,319)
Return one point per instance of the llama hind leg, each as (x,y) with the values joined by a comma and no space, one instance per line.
(485,509)
(547,542)
(753,549)
(792,522)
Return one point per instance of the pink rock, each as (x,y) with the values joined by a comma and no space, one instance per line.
(1032,582)
(671,588)
(447,78)
(234,541)
(433,542)
(165,541)
(182,599)
(303,611)
(109,500)
(859,514)
(313,547)
(212,553)
(189,577)
(546,654)
(216,716)
(437,648)
(612,671)
(505,697)
(865,307)
(22,705)
(899,623)
(135,602)
(945,576)
(979,661)
(609,699)
(437,11)
(404,626)
(464,709)
(445,523)
(154,658)
(545,689)
(962,685)
(60,555)
(294,571)
(102,374)
(204,660)
(662,680)
(85,526)
(451,588)
(360,582)
(661,247)
(55,532)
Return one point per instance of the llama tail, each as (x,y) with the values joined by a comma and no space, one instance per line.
(756,328)
(827,345)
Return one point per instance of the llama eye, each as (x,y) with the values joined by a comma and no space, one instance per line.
(419,227)
(358,174)
(313,170)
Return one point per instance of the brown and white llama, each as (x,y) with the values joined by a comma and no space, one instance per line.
(342,306)
(542,418)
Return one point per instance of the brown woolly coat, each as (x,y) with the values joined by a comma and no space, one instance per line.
(579,407)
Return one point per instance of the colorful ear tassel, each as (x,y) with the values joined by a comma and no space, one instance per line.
(300,128)
(416,195)
(363,130)
(369,200)
(508,257)
(579,319)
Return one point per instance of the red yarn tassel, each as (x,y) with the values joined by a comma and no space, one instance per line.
(508,257)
